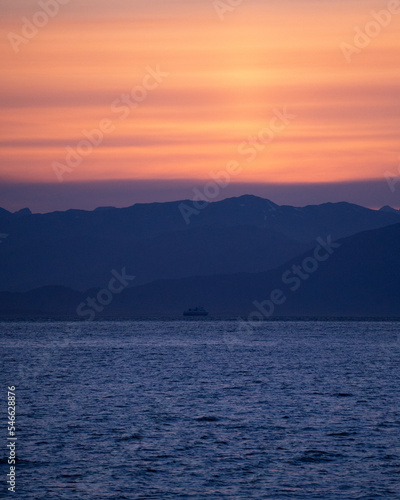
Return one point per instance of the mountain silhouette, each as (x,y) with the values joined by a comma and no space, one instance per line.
(360,277)
(78,249)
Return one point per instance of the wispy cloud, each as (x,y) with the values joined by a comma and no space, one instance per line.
(221,87)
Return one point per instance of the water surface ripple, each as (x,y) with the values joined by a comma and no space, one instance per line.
(196,409)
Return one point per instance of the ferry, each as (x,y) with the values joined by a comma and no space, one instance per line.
(196,311)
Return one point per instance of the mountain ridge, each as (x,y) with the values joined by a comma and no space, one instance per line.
(359,278)
(79,249)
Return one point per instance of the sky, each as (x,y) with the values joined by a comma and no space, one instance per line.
(162,97)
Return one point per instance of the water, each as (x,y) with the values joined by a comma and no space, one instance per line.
(167,410)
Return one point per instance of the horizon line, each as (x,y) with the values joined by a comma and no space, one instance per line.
(89,195)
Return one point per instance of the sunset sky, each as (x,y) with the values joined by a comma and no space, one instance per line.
(224,76)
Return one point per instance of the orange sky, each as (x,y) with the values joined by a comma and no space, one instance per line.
(225,79)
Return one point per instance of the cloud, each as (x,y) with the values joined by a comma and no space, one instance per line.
(224,81)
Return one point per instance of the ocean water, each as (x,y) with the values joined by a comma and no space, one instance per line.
(198,409)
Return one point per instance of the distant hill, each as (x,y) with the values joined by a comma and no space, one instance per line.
(78,249)
(361,278)
(387,208)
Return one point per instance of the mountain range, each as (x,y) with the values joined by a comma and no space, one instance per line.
(231,255)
